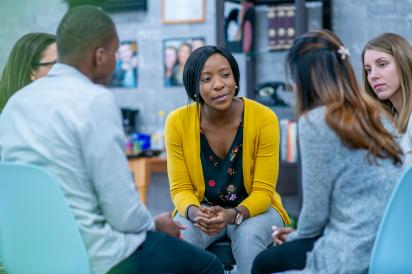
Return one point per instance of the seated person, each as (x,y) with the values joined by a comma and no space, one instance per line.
(170,64)
(69,124)
(223,160)
(350,165)
(30,59)
(387,76)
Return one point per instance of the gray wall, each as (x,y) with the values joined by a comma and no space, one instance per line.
(145,27)
(355,21)
(21,16)
(18,17)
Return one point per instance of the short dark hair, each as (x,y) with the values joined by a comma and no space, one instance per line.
(194,66)
(82,30)
(23,60)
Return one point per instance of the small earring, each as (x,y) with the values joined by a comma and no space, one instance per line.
(236,87)
(195,96)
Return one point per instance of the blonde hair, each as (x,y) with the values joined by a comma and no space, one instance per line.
(401,50)
(325,77)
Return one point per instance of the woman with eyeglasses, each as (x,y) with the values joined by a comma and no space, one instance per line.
(30,59)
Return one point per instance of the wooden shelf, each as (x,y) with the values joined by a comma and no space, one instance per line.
(142,169)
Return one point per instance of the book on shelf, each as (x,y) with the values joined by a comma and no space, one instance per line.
(288,141)
(281,26)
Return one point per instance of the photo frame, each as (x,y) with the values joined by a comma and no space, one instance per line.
(239,24)
(182,11)
(127,66)
(176,51)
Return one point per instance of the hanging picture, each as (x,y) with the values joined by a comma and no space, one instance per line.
(176,51)
(182,11)
(239,21)
(126,70)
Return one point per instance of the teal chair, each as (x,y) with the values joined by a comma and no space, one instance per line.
(392,250)
(38,234)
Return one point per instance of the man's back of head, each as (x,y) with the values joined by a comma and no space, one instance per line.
(87,39)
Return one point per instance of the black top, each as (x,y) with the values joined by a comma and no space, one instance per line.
(223,178)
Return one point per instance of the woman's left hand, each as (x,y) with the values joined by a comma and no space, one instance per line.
(280,234)
(217,222)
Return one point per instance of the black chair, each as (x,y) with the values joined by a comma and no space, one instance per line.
(223,250)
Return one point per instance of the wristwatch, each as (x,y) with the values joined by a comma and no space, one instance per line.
(239,217)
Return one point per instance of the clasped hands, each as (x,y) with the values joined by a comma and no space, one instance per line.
(211,220)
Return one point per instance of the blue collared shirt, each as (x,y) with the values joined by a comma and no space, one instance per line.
(72,127)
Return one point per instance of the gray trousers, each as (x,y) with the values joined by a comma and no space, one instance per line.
(251,237)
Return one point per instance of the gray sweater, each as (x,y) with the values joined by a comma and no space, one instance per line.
(344,198)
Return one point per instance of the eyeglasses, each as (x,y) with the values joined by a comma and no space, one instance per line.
(45,64)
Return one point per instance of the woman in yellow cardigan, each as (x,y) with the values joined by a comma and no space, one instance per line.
(222,156)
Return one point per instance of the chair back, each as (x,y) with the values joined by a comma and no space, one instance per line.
(392,249)
(38,233)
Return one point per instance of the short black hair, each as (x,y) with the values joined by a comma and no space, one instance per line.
(194,66)
(83,29)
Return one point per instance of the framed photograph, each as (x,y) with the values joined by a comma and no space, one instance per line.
(127,64)
(239,24)
(176,51)
(182,11)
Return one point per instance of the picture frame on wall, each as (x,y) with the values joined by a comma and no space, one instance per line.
(125,74)
(239,25)
(176,51)
(182,11)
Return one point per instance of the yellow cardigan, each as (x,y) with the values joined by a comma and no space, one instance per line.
(260,158)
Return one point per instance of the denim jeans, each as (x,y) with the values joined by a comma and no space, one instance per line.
(288,256)
(251,237)
(161,253)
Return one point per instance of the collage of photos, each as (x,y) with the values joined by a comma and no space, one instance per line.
(176,51)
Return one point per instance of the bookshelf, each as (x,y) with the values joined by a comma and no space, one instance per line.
(303,22)
(288,184)
(263,65)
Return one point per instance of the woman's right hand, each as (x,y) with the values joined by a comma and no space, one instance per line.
(217,221)
(280,234)
(202,219)
(194,212)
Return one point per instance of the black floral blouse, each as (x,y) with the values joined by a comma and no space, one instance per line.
(223,178)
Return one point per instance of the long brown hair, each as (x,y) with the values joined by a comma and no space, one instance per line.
(320,67)
(23,60)
(401,50)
